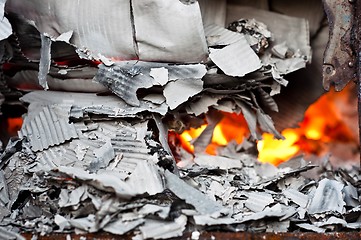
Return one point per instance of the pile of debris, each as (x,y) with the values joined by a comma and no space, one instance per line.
(112,178)
(95,161)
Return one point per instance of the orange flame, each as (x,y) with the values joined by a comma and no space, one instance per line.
(323,123)
(231,127)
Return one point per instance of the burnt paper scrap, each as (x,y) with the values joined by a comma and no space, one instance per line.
(257,34)
(257,202)
(84,103)
(236,59)
(126,78)
(217,161)
(192,196)
(179,91)
(160,229)
(111,182)
(327,198)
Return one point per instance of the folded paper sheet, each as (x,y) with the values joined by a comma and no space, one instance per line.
(151,30)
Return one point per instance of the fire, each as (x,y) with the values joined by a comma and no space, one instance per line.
(231,127)
(324,123)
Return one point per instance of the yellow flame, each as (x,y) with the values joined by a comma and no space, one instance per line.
(187,136)
(218,136)
(275,151)
(314,130)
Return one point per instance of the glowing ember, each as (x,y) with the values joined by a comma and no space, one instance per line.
(14,125)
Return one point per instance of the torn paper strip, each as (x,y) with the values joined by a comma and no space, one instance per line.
(297,197)
(160,211)
(311,227)
(28,79)
(45,59)
(205,220)
(277,210)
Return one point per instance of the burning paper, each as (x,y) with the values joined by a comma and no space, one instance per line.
(99,162)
